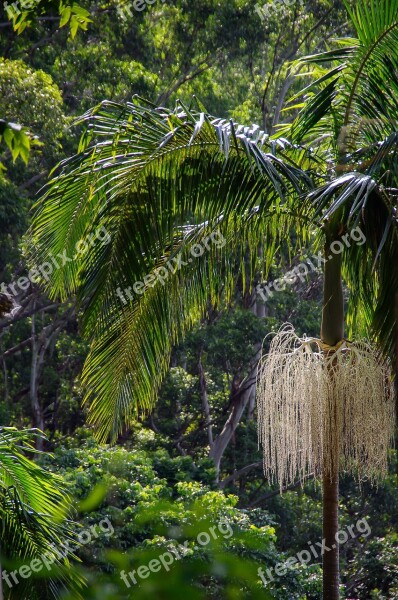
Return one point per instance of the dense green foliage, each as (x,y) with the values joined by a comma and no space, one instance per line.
(159,486)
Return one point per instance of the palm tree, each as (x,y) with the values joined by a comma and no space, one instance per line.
(161,181)
(33,516)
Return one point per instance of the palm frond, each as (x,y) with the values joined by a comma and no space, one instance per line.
(155,172)
(356,101)
(352,115)
(130,356)
(33,516)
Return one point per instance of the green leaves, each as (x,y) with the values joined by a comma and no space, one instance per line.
(356,99)
(74,15)
(16,139)
(160,180)
(23,475)
(33,513)
(350,118)
(149,173)
(23,13)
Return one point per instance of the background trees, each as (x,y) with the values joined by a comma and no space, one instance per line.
(159,55)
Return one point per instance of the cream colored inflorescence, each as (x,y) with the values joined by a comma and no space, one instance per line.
(313,400)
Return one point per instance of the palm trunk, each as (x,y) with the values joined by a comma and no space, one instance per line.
(332,331)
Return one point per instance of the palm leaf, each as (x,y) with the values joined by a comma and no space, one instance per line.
(352,113)
(33,515)
(156,171)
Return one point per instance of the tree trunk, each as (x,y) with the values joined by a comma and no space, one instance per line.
(222,440)
(37,411)
(205,402)
(245,396)
(332,331)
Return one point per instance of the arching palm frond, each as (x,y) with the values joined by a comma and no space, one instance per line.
(154,172)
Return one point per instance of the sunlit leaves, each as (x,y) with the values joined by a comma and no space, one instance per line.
(33,513)
(16,139)
(24,12)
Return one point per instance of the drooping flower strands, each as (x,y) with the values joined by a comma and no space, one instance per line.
(311,397)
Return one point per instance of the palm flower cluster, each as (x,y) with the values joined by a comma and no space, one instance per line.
(312,398)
